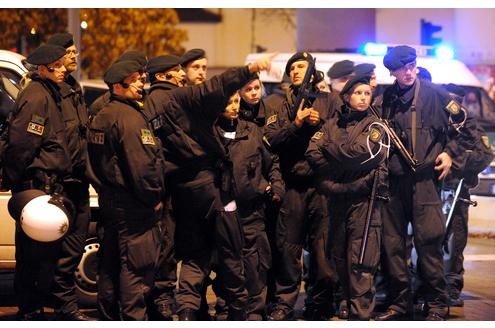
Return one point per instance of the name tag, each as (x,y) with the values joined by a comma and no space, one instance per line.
(35,128)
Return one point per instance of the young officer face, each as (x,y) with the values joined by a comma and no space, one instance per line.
(196,71)
(251,92)
(177,76)
(232,109)
(297,72)
(406,75)
(54,71)
(70,58)
(135,87)
(360,98)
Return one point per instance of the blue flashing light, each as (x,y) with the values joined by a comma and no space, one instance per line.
(375,49)
(444,52)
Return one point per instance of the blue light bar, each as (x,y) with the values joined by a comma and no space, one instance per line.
(375,49)
(444,52)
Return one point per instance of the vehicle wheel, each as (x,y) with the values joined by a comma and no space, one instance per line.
(85,275)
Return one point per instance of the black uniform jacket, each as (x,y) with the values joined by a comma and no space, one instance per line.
(189,138)
(125,155)
(38,139)
(253,113)
(432,125)
(253,166)
(76,120)
(290,142)
(158,98)
(345,153)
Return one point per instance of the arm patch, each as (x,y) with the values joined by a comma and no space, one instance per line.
(375,135)
(453,107)
(271,119)
(147,137)
(317,135)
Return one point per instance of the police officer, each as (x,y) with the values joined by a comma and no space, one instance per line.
(166,74)
(419,113)
(127,161)
(194,158)
(339,74)
(255,177)
(195,65)
(37,156)
(476,157)
(303,211)
(104,99)
(348,155)
(75,114)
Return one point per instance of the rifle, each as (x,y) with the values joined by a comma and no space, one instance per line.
(412,162)
(305,89)
(369,214)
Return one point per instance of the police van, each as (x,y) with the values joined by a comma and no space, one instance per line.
(443,71)
(12,69)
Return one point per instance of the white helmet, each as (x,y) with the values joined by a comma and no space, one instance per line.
(42,217)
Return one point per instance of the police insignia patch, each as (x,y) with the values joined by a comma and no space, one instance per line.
(38,119)
(453,107)
(486,141)
(97,138)
(317,135)
(147,137)
(375,135)
(35,128)
(271,119)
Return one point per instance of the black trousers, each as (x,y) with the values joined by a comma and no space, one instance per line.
(35,265)
(202,227)
(72,248)
(166,275)
(348,218)
(457,241)
(128,255)
(302,219)
(47,269)
(417,202)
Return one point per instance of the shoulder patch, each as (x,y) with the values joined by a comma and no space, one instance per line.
(317,135)
(271,119)
(375,135)
(453,107)
(35,128)
(486,141)
(97,138)
(38,119)
(147,137)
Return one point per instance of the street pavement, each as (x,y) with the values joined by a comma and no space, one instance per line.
(478,294)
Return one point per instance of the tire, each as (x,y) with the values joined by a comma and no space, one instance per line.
(86,273)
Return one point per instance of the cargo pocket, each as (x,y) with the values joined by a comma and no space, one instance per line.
(142,251)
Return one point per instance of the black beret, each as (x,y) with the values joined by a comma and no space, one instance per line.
(46,54)
(301,55)
(424,74)
(320,76)
(363,79)
(118,71)
(192,55)
(455,89)
(399,56)
(61,39)
(340,69)
(162,63)
(364,69)
(134,55)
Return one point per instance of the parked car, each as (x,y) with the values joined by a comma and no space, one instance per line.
(12,70)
